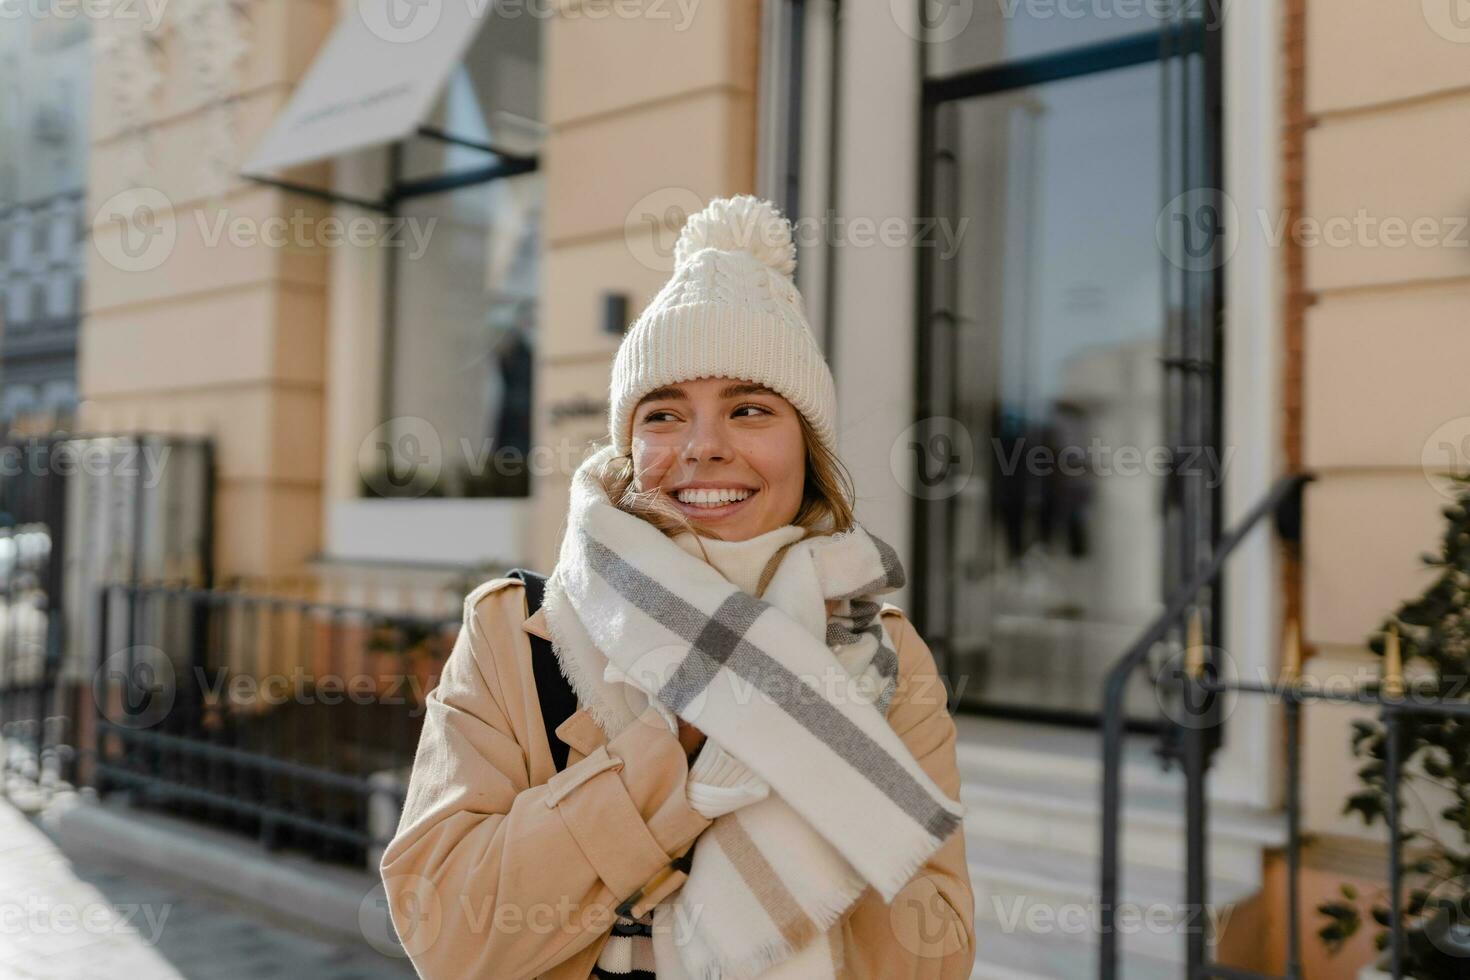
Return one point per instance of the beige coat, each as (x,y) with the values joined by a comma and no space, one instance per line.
(503,868)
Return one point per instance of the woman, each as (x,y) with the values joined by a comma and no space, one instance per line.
(762,777)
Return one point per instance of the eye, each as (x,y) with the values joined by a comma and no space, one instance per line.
(658,415)
(755,409)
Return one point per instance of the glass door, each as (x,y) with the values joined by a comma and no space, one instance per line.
(1068,352)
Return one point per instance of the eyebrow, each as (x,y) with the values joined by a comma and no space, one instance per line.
(675,393)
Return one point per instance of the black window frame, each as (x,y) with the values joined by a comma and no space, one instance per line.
(1193,356)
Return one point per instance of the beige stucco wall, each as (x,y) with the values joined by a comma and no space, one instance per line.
(236,341)
(217,339)
(647,118)
(1386,342)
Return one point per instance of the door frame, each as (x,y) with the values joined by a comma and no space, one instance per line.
(1201,415)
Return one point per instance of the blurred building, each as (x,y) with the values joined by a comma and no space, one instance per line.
(46,70)
(381,254)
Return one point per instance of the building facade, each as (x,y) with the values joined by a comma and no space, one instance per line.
(384,265)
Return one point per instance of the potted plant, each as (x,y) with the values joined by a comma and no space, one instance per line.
(1434,635)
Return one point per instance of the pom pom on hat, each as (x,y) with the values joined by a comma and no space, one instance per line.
(744,223)
(730,310)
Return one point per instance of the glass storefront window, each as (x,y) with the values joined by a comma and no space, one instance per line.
(465,331)
(463,308)
(1069,349)
(1057,353)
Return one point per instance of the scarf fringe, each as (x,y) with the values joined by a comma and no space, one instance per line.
(594,693)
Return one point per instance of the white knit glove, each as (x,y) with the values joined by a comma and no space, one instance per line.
(719,783)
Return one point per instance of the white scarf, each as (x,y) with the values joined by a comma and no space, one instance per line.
(798,697)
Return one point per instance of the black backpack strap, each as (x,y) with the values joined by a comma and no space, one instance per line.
(552,690)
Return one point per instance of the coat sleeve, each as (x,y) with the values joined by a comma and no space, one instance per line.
(928,931)
(490,876)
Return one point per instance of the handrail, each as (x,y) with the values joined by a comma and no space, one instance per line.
(1116,687)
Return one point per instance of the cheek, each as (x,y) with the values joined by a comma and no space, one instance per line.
(780,459)
(651,459)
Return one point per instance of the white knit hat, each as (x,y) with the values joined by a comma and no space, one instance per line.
(730,310)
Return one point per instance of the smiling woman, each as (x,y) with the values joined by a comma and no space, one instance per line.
(760,778)
(728,459)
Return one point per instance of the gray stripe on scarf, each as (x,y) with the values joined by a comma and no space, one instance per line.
(719,641)
(845,629)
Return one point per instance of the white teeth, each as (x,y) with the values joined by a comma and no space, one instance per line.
(711,498)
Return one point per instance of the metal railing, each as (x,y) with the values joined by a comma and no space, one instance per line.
(1201,685)
(1192,745)
(290,719)
(77,509)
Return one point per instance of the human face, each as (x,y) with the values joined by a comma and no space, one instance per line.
(720,434)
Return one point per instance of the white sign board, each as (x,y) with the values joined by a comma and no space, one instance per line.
(374,80)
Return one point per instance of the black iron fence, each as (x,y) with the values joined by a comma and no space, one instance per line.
(289,719)
(1197,685)
(74,510)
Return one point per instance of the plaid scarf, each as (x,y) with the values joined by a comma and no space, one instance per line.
(796,695)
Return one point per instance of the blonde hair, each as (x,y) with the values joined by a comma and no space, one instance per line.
(826,497)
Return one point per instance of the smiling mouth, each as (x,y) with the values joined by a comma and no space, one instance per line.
(711,503)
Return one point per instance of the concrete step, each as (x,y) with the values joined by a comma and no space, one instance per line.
(1041,786)
(1048,893)
(1040,811)
(1010,955)
(1032,839)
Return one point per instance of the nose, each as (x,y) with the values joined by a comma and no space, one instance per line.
(708,442)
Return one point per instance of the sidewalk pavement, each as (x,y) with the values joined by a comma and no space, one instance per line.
(71,915)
